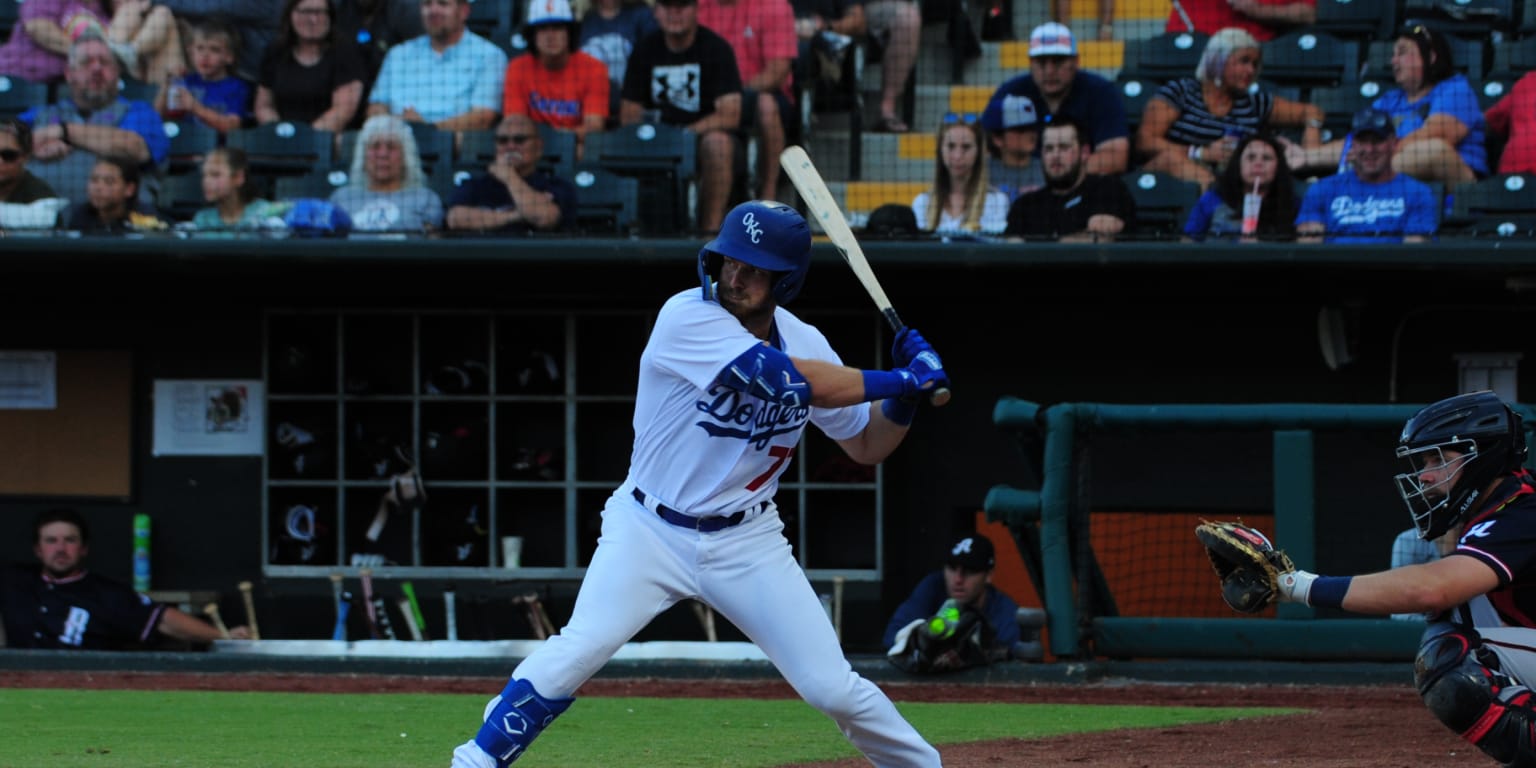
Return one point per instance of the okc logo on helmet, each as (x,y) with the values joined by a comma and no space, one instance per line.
(750,226)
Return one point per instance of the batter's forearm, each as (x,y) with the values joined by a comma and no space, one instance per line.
(832,385)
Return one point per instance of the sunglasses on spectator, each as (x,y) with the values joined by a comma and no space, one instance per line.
(950,118)
(10,155)
(513,138)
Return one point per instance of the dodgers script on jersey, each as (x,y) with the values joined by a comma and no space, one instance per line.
(737,444)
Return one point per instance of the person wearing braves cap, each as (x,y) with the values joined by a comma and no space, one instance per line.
(728,381)
(557,86)
(955,617)
(1369,202)
(1056,87)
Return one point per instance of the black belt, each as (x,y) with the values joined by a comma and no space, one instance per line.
(701,524)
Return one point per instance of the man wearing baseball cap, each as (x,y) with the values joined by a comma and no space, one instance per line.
(557,85)
(1056,87)
(928,632)
(1011,165)
(1369,202)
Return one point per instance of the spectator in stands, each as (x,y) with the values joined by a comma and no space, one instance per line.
(59,604)
(309,75)
(17,184)
(960,200)
(763,35)
(1074,205)
(386,189)
(147,40)
(920,638)
(557,85)
(1061,11)
(825,29)
(1371,202)
(1192,126)
(95,120)
(374,26)
(609,31)
(212,93)
(1260,169)
(256,20)
(1057,88)
(513,196)
(1440,128)
(688,74)
(1264,19)
(896,26)
(111,205)
(1011,164)
(449,77)
(38,47)
(1513,118)
(232,200)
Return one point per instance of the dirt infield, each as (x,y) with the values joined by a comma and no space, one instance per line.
(1371,727)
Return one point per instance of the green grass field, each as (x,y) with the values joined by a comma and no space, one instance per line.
(157,729)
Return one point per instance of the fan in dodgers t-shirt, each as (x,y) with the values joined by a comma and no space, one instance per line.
(1370,202)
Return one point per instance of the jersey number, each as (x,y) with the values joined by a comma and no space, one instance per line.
(780,454)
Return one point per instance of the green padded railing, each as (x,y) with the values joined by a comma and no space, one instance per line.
(1295,633)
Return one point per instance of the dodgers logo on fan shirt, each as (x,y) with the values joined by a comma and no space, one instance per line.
(744,417)
(749,223)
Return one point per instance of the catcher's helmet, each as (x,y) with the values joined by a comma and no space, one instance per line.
(1487,435)
(766,234)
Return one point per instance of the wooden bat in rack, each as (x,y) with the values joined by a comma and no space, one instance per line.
(818,199)
(250,608)
(365,575)
(212,609)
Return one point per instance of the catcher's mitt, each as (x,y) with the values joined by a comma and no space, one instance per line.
(1248,564)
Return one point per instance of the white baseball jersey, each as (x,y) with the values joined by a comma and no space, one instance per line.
(735,445)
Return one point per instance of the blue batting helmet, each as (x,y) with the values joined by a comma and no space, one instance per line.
(766,234)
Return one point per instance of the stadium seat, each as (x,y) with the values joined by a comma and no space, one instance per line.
(1473,18)
(1492,89)
(606,203)
(284,148)
(1163,202)
(1308,58)
(492,20)
(319,184)
(191,140)
(1135,92)
(181,197)
(1513,58)
(559,155)
(10,13)
(663,157)
(1501,205)
(818,96)
(1357,19)
(1339,105)
(1164,56)
(18,95)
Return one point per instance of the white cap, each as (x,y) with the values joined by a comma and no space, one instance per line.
(1052,39)
(549,12)
(1019,111)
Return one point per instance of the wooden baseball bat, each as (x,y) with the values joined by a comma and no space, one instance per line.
(450,614)
(212,609)
(837,605)
(365,575)
(250,608)
(813,190)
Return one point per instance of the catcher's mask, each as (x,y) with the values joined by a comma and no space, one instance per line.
(768,235)
(1454,448)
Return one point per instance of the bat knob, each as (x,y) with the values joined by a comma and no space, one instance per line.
(939,397)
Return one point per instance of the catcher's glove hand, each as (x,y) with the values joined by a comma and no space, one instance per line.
(1248,564)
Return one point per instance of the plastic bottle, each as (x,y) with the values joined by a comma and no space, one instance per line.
(141,553)
(175,99)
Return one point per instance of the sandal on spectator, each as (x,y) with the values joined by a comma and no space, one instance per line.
(890,124)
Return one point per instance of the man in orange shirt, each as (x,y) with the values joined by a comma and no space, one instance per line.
(763,34)
(556,84)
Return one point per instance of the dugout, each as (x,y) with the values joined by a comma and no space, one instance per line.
(1139,323)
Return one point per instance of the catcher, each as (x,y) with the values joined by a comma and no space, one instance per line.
(955,618)
(1464,482)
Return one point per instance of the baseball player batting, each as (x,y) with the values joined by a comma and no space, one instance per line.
(728,381)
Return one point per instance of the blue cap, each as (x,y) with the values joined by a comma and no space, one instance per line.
(1373,121)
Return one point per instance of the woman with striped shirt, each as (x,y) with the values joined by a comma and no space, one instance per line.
(1193,124)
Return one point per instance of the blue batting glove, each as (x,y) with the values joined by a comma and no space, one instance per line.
(907,345)
(924,373)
